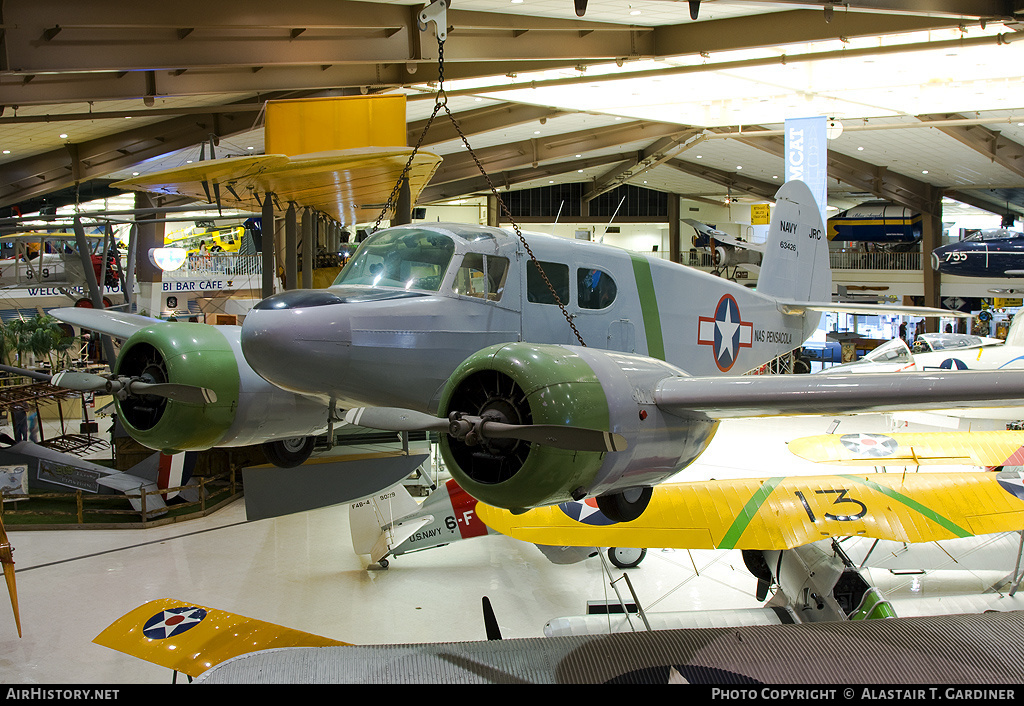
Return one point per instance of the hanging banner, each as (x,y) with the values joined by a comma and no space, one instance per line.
(806,156)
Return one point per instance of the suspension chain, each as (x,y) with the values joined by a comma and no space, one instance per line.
(442,102)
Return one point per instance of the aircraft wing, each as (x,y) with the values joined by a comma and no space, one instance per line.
(823,394)
(190,638)
(785,512)
(350,185)
(973,448)
(118,324)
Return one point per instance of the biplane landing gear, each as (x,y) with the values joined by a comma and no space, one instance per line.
(626,557)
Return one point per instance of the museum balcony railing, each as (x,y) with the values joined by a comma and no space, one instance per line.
(888,261)
(218,264)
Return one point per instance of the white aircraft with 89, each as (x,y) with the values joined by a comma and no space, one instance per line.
(457,321)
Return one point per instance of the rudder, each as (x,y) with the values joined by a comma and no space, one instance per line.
(796,266)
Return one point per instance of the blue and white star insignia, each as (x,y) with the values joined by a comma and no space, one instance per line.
(585,512)
(173,621)
(726,333)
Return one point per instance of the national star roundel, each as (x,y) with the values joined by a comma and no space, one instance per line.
(871,445)
(726,333)
(173,621)
(585,512)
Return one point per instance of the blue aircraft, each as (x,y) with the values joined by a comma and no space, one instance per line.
(993,252)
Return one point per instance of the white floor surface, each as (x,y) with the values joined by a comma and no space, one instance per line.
(300,571)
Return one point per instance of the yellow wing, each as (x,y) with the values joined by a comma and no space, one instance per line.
(191,638)
(786,512)
(350,185)
(973,448)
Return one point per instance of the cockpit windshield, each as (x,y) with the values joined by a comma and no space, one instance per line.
(993,234)
(404,259)
(895,351)
(927,342)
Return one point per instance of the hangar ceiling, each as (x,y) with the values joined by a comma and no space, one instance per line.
(928,92)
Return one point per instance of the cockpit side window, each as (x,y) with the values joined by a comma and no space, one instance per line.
(481,276)
(537,289)
(595,289)
(402,259)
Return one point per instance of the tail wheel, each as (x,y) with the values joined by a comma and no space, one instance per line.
(288,453)
(625,506)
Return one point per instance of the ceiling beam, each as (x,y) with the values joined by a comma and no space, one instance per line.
(479,120)
(788,27)
(978,198)
(649,157)
(58,169)
(524,153)
(730,180)
(95,87)
(991,143)
(507,179)
(863,176)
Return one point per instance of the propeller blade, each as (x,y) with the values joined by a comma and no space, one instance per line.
(83,382)
(560,437)
(7,559)
(174,391)
(490,621)
(45,377)
(395,419)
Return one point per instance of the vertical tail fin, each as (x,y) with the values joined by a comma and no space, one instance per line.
(1015,336)
(369,518)
(795,266)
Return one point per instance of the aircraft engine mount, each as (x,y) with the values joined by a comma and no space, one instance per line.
(576,388)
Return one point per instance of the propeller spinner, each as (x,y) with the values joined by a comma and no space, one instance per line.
(473,430)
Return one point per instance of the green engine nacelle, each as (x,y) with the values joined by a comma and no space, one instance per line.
(524,383)
(189,354)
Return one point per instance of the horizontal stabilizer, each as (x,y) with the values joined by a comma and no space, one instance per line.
(271,491)
(395,534)
(787,512)
(797,308)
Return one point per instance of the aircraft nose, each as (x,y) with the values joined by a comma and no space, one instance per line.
(293,339)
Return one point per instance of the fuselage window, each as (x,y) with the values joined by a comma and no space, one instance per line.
(481,276)
(537,289)
(595,289)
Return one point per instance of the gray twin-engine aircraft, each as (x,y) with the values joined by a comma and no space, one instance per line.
(472,324)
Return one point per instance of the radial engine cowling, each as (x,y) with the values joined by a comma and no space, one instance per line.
(525,383)
(248,410)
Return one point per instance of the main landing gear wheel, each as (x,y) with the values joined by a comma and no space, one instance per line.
(626,557)
(288,453)
(625,506)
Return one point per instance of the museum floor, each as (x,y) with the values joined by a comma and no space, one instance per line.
(300,571)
